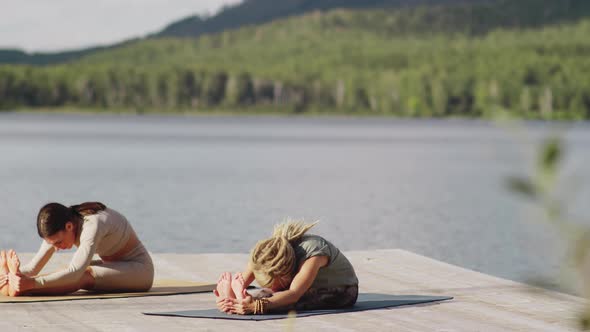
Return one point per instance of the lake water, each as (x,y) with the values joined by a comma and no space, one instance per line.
(218,184)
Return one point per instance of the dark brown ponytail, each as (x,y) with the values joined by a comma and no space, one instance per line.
(88,208)
(53,217)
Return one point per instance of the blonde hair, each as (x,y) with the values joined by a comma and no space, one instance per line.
(275,256)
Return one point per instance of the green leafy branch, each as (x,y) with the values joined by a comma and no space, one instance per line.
(539,189)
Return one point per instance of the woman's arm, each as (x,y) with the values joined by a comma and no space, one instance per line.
(300,284)
(248,276)
(80,261)
(35,266)
(89,239)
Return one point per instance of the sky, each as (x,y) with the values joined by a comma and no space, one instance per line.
(58,25)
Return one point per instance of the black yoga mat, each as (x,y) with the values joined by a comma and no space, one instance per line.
(366,301)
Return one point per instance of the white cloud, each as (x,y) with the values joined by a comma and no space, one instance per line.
(51,25)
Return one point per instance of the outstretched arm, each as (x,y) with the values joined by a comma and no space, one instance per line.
(248,276)
(35,266)
(77,267)
(72,274)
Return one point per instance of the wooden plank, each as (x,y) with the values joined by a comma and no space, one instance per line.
(482,302)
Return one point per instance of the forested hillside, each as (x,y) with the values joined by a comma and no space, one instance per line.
(13,56)
(255,12)
(522,13)
(426,61)
(249,12)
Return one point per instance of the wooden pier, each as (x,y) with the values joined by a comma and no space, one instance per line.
(481,302)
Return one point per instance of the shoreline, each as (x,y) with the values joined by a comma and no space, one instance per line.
(256,112)
(497,122)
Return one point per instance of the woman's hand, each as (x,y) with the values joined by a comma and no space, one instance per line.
(243,307)
(222,304)
(20,283)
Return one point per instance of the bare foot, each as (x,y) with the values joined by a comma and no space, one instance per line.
(237,285)
(13,262)
(3,273)
(13,266)
(223,289)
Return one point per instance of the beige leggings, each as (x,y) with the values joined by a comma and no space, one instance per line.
(133,272)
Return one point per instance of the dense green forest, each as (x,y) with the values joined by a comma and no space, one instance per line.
(466,60)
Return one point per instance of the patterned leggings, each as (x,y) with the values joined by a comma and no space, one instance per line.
(327,298)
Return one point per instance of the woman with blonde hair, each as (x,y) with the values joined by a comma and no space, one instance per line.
(301,271)
(125,264)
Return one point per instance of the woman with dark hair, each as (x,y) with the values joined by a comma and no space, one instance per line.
(125,264)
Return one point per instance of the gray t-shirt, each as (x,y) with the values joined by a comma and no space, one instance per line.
(338,272)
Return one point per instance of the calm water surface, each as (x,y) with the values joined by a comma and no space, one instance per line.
(217,184)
